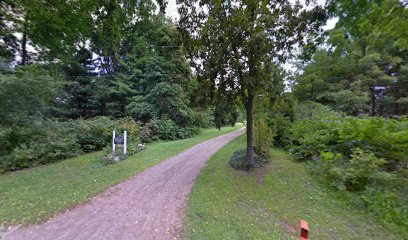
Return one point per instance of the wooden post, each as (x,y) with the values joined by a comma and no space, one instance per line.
(124,142)
(113,141)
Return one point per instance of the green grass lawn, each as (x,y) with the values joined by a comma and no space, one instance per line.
(268,203)
(34,195)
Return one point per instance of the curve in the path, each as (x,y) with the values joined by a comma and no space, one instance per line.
(146,206)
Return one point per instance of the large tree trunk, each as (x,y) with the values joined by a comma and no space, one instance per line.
(250,128)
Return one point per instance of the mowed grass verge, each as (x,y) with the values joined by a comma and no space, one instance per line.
(268,203)
(34,195)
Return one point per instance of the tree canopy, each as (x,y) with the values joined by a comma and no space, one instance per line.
(238,45)
(363,67)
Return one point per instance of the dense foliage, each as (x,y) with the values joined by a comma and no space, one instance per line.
(73,71)
(263,137)
(365,156)
(65,64)
(49,141)
(237,47)
(360,71)
(363,66)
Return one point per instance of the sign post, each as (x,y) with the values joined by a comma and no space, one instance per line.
(124,142)
(113,141)
(120,140)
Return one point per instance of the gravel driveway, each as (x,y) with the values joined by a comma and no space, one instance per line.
(149,205)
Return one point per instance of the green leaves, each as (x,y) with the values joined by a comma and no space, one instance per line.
(25,95)
(164,100)
(236,44)
(359,71)
(366,156)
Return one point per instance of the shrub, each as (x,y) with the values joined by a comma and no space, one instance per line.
(49,141)
(367,156)
(361,169)
(203,119)
(187,132)
(281,126)
(93,134)
(352,174)
(6,163)
(145,135)
(263,136)
(385,205)
(51,147)
(238,161)
(132,128)
(149,131)
(167,129)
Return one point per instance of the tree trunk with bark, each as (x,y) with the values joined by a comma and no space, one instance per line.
(250,128)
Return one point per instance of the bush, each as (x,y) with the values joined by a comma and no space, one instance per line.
(319,131)
(52,145)
(366,156)
(149,132)
(352,174)
(203,119)
(145,135)
(238,161)
(385,205)
(49,141)
(281,126)
(187,132)
(263,136)
(12,137)
(93,134)
(132,128)
(167,129)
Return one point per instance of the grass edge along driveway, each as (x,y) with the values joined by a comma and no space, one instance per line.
(268,203)
(34,195)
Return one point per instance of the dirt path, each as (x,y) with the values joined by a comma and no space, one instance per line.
(146,206)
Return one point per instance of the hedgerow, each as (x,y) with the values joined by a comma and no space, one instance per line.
(48,141)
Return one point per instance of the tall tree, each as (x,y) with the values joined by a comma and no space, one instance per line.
(25,96)
(52,28)
(236,44)
(8,41)
(362,68)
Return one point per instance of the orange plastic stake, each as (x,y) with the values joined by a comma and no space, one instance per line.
(304,230)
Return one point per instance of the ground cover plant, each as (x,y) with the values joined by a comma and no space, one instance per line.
(34,195)
(269,202)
